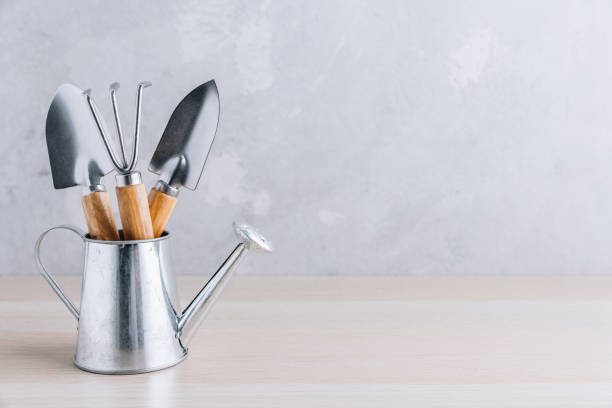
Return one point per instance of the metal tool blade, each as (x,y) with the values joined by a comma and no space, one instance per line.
(76,151)
(184,146)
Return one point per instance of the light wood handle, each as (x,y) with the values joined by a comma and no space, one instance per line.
(161,206)
(134,212)
(99,216)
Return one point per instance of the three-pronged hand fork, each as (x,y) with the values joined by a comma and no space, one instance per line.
(131,192)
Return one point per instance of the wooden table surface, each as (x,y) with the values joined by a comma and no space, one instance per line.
(338,342)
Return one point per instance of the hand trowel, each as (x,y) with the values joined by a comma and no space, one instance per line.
(78,157)
(182,151)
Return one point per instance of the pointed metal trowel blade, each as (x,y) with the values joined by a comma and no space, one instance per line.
(76,151)
(183,148)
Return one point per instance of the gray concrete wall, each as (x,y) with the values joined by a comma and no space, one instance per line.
(402,137)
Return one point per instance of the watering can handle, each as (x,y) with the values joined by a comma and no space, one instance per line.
(56,288)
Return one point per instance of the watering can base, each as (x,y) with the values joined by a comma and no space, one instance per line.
(131,371)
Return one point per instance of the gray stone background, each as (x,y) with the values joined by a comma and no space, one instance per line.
(361,137)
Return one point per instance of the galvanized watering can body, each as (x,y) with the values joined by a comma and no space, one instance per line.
(130,320)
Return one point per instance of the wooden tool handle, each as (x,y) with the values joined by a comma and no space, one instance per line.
(160,206)
(134,212)
(99,216)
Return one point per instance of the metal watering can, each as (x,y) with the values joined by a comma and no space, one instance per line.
(129,319)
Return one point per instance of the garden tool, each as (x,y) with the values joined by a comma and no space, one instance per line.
(131,192)
(182,150)
(77,157)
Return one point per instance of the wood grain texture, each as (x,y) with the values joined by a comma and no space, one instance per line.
(161,206)
(99,216)
(337,342)
(134,212)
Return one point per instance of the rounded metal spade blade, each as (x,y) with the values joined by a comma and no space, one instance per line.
(76,151)
(183,148)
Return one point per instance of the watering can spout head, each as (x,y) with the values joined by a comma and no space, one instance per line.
(192,316)
(251,238)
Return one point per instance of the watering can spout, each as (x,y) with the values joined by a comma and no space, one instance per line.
(199,307)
